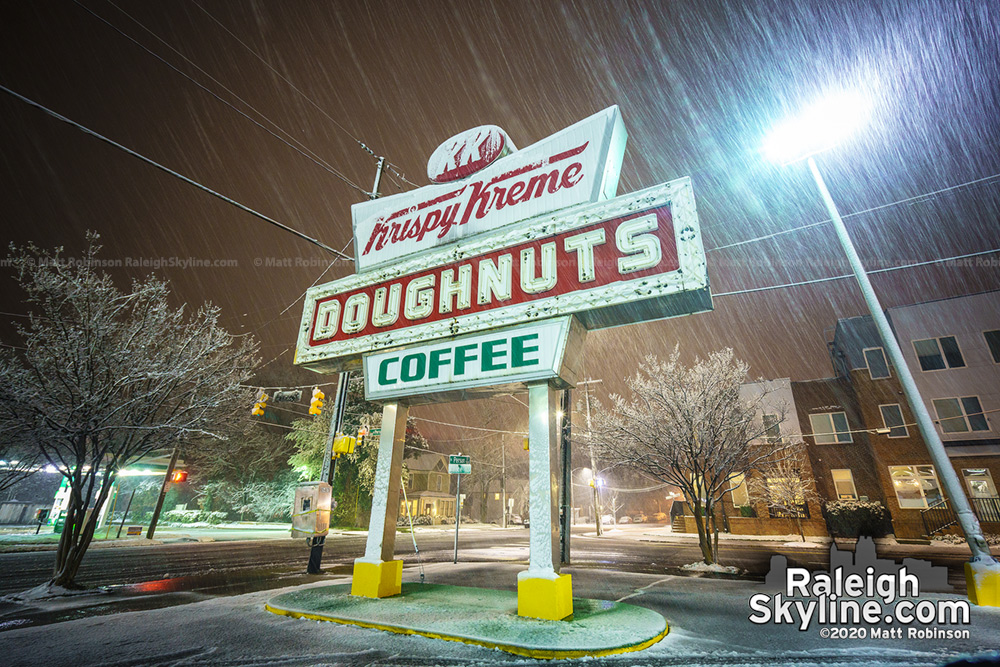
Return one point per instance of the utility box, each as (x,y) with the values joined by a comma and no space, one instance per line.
(311,512)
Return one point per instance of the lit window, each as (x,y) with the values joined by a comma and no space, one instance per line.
(993,341)
(843,484)
(878,367)
(916,487)
(738,489)
(829,428)
(960,415)
(892,417)
(935,354)
(980,482)
(786,498)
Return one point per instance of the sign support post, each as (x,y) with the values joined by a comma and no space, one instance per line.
(541,591)
(458,513)
(377,575)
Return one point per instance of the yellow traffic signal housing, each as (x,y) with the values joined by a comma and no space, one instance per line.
(525,442)
(316,404)
(258,408)
(344,444)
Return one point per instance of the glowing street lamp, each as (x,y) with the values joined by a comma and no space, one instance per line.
(821,127)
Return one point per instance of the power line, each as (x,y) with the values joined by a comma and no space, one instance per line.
(926,195)
(389,165)
(846,276)
(170,171)
(305,151)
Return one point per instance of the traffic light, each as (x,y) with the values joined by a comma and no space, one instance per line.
(344,444)
(525,443)
(179,476)
(316,404)
(258,408)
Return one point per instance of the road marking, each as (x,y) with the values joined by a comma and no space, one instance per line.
(640,591)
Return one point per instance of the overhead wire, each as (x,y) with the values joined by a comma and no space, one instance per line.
(301,149)
(391,167)
(890,269)
(925,195)
(168,170)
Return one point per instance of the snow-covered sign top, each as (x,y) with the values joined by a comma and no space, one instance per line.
(576,165)
(468,152)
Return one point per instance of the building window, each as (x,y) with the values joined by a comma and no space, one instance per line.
(843,484)
(935,354)
(772,429)
(738,490)
(829,428)
(781,490)
(960,415)
(892,417)
(916,487)
(980,482)
(437,482)
(878,367)
(993,341)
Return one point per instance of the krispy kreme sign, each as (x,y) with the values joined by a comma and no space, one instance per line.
(635,258)
(487,188)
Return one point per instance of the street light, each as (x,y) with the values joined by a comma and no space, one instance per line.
(821,127)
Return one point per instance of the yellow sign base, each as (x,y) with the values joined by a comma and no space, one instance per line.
(377,580)
(983,584)
(547,599)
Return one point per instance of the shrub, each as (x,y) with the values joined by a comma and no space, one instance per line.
(747,511)
(856,518)
(181,516)
(212,518)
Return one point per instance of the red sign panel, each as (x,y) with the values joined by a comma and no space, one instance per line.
(619,249)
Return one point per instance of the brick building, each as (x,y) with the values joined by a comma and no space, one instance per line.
(952,347)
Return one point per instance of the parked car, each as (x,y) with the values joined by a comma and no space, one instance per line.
(607,519)
(625,519)
(640,518)
(659,516)
(515,520)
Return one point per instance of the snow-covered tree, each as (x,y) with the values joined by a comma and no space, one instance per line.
(690,427)
(786,485)
(107,377)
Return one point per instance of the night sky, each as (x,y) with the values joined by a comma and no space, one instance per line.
(699,85)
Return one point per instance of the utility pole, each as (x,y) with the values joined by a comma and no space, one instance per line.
(163,493)
(593,462)
(336,423)
(503,478)
(565,493)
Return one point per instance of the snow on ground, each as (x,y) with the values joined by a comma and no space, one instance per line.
(701,566)
(707,618)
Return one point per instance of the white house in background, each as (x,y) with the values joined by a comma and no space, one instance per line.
(428,488)
(952,347)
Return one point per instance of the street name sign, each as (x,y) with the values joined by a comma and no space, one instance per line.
(459,465)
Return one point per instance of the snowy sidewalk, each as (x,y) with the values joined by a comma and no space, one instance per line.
(483,617)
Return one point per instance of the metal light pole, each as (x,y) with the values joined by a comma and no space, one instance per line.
(956,494)
(819,128)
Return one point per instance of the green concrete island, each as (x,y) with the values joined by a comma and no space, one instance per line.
(483,617)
